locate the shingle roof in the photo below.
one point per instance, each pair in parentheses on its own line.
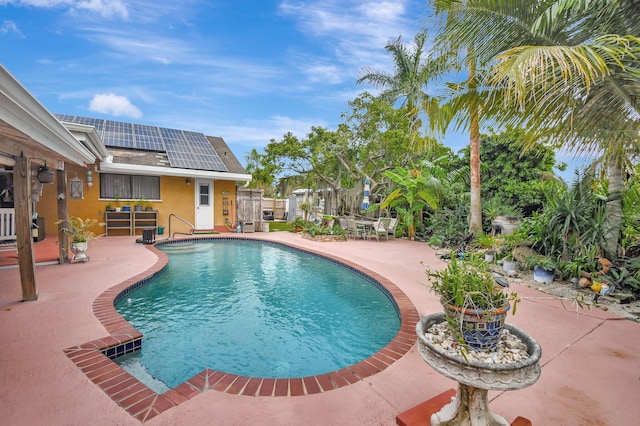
(226,155)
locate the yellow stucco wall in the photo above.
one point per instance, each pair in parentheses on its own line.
(176,197)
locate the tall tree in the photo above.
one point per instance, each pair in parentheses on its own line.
(407,83)
(566,70)
(466,102)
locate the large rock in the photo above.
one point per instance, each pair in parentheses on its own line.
(521,253)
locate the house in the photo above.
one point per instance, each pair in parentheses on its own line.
(52,166)
(177,173)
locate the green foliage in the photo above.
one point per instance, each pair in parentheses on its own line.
(487,242)
(516,180)
(585,261)
(298,224)
(544,262)
(79,229)
(280,226)
(468,284)
(624,275)
(631,217)
(414,193)
(448,225)
(574,218)
(314,229)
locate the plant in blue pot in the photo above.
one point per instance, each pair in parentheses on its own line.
(474,303)
(544,268)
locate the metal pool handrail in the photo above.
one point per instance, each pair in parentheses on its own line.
(183,220)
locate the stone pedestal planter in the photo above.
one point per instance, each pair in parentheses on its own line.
(470,406)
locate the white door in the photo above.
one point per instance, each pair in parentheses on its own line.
(204,204)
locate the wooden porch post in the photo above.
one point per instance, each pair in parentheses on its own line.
(22,202)
(63,240)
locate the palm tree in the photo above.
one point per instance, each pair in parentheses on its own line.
(565,70)
(408,82)
(466,104)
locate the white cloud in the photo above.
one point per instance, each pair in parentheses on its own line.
(162,60)
(37,3)
(258,133)
(357,32)
(10,27)
(323,72)
(106,8)
(110,103)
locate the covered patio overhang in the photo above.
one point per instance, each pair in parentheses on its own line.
(32,142)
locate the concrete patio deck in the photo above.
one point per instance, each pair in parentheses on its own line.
(590,359)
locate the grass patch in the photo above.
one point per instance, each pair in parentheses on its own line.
(280,226)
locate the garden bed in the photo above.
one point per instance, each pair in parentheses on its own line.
(324,238)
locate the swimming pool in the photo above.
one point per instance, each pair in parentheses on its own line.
(255,309)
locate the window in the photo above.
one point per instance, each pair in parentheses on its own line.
(128,187)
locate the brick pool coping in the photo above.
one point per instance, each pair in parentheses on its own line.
(93,358)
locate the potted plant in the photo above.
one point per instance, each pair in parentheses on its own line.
(148,206)
(80,232)
(109,207)
(488,244)
(116,202)
(544,268)
(474,304)
(140,204)
(509,263)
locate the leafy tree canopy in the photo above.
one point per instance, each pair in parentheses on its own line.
(517,179)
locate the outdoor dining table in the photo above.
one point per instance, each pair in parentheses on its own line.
(367,226)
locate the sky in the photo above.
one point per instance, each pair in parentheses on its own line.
(247,71)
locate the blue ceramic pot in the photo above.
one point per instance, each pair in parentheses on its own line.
(541,275)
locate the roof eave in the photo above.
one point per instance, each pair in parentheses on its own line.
(172,171)
(21,110)
(91,137)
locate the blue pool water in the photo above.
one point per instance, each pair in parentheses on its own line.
(254,309)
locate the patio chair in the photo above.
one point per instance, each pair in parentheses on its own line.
(353,228)
(381,228)
(391,229)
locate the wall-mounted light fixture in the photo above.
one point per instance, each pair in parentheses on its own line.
(45,174)
(188,181)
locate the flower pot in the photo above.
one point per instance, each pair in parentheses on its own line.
(118,209)
(509,265)
(542,275)
(489,257)
(79,250)
(126,208)
(480,329)
(138,208)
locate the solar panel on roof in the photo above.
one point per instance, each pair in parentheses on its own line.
(177,150)
(185,149)
(147,138)
(117,133)
(64,117)
(207,156)
(98,123)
